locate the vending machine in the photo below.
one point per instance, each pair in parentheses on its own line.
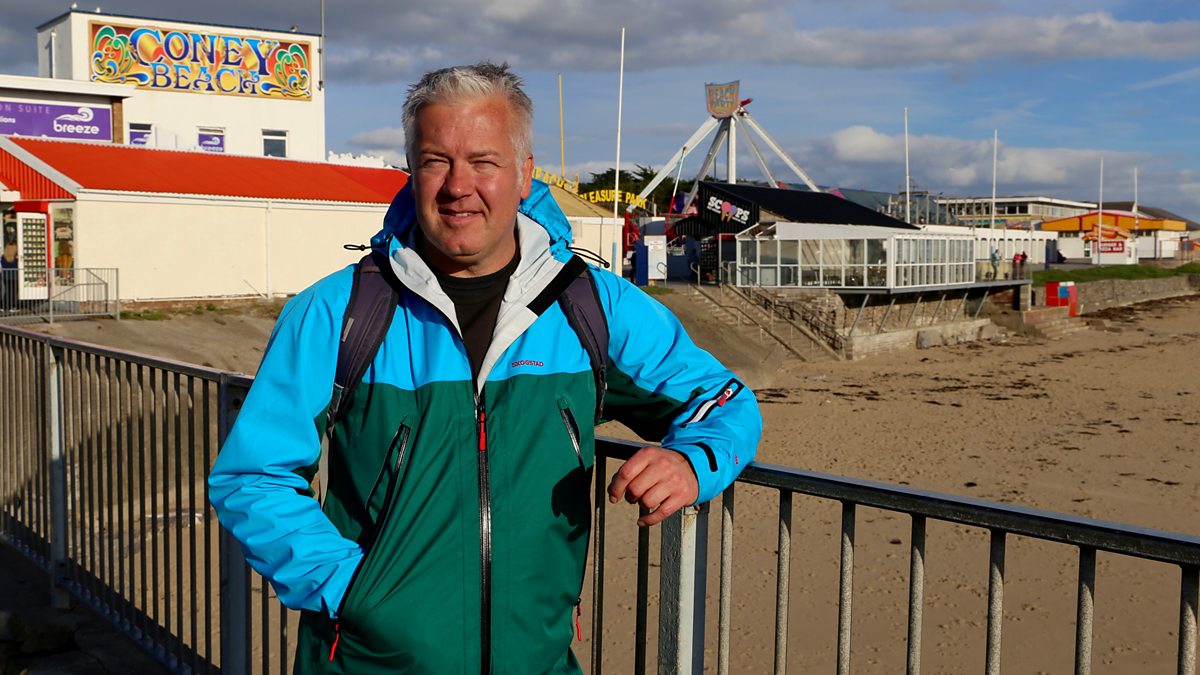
(33,247)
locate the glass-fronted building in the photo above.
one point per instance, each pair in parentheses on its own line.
(821,255)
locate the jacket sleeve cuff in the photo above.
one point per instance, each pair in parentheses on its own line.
(704,465)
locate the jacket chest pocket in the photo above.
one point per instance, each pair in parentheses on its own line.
(580,440)
(387,483)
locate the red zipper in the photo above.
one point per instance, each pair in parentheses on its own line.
(337,636)
(482,430)
(578,630)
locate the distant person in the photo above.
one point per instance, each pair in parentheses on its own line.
(1059,257)
(8,277)
(994,258)
(455,525)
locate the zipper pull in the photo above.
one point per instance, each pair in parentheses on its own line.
(578,630)
(482,430)
(337,636)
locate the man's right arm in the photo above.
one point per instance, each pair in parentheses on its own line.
(259,484)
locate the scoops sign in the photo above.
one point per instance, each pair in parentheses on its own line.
(92,123)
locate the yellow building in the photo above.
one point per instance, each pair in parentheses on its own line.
(1154,237)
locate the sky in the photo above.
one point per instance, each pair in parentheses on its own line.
(1063,83)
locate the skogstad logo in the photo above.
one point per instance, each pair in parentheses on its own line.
(77,123)
(527,362)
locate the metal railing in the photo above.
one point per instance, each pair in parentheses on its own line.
(1005,270)
(103,458)
(818,328)
(49,294)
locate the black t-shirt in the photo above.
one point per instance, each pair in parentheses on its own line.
(477,304)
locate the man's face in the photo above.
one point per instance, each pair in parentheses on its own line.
(468,183)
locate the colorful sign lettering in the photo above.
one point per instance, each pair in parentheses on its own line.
(200,62)
(728,210)
(1111,246)
(722,98)
(548,178)
(596,196)
(56,121)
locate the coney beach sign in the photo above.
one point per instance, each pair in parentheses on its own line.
(200,61)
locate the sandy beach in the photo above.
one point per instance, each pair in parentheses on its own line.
(1100,423)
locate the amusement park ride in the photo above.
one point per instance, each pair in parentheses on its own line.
(727,112)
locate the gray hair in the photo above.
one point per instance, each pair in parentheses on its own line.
(465,83)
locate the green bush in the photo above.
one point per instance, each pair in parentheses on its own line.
(1100,273)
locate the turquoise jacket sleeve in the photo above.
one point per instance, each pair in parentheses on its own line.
(259,484)
(668,390)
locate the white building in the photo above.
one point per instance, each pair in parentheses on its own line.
(853,257)
(183,224)
(978,211)
(244,91)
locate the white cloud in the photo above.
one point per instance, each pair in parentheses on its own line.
(382,137)
(863,144)
(862,157)
(1174,78)
(384,142)
(572,36)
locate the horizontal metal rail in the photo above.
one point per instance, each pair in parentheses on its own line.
(50,294)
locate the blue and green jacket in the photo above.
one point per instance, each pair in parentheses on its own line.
(455,528)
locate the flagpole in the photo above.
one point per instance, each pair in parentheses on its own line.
(992,234)
(620,97)
(1099,219)
(321,52)
(907,182)
(562,138)
(1137,223)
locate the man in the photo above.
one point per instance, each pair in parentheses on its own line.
(454,532)
(8,276)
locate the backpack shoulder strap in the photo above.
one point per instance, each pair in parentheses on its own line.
(373,298)
(580,302)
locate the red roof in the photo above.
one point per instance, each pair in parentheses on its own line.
(96,166)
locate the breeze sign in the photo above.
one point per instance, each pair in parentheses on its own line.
(81,122)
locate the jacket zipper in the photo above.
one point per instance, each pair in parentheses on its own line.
(400,442)
(572,431)
(337,637)
(485,541)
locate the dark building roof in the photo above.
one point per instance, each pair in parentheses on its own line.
(728,209)
(1152,212)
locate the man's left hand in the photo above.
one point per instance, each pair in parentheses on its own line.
(659,479)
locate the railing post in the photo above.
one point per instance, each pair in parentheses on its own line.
(681,587)
(117,292)
(58,476)
(234,582)
(50,293)
(1189,597)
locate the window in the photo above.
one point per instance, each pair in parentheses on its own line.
(141,133)
(211,139)
(274,143)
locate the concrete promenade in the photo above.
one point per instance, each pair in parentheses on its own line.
(37,639)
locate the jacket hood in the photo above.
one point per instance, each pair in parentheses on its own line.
(540,207)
